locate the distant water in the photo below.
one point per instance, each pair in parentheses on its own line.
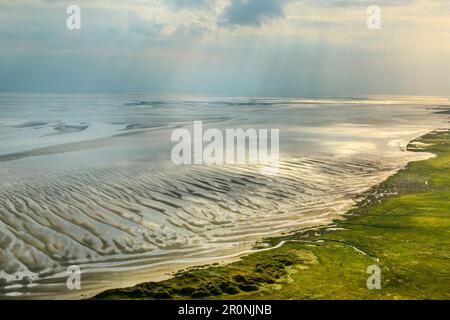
(87,179)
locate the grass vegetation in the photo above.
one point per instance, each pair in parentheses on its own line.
(401,225)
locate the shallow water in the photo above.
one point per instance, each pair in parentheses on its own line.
(87,180)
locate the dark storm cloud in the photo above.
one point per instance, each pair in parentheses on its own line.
(253,12)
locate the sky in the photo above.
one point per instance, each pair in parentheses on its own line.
(239,47)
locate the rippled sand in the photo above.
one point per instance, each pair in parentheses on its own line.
(133,211)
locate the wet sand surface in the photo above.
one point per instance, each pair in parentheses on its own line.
(88,181)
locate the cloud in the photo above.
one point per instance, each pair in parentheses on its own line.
(144,27)
(315,46)
(191,4)
(354,3)
(195,28)
(253,12)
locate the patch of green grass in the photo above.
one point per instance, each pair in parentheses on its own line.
(401,225)
(247,275)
